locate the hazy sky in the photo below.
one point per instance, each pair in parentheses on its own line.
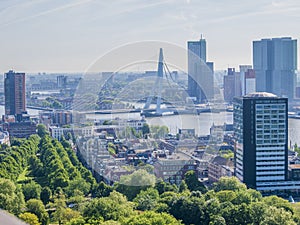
(69,35)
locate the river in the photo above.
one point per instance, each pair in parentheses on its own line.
(201,123)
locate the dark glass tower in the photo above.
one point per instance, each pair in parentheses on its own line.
(14,91)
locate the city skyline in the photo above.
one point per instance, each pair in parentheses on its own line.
(51,36)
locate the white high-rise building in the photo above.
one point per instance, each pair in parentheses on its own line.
(261,134)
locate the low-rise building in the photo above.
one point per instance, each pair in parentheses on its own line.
(21,129)
(294,172)
(59,132)
(220,167)
(173,168)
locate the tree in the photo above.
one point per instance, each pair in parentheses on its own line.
(76,221)
(60,214)
(183,186)
(237,214)
(163,186)
(7,193)
(147,200)
(77,199)
(152,218)
(42,130)
(31,190)
(167,199)
(258,211)
(159,131)
(217,220)
(278,216)
(11,199)
(213,207)
(113,207)
(226,196)
(111,148)
(278,202)
(78,184)
(101,190)
(29,218)
(149,168)
(131,185)
(69,136)
(145,129)
(191,179)
(110,222)
(296,148)
(229,183)
(19,202)
(46,195)
(65,215)
(197,213)
(36,207)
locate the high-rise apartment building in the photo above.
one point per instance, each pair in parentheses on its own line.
(14,91)
(275,63)
(200,72)
(261,134)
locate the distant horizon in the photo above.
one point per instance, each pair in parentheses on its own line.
(123,72)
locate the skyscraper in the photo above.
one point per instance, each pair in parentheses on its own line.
(249,82)
(14,91)
(275,63)
(232,85)
(198,48)
(261,133)
(243,70)
(200,72)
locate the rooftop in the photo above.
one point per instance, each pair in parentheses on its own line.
(294,166)
(176,157)
(260,95)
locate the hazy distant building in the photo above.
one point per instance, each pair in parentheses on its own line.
(249,82)
(14,91)
(232,85)
(62,117)
(243,70)
(275,63)
(297,92)
(261,135)
(61,81)
(58,118)
(200,72)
